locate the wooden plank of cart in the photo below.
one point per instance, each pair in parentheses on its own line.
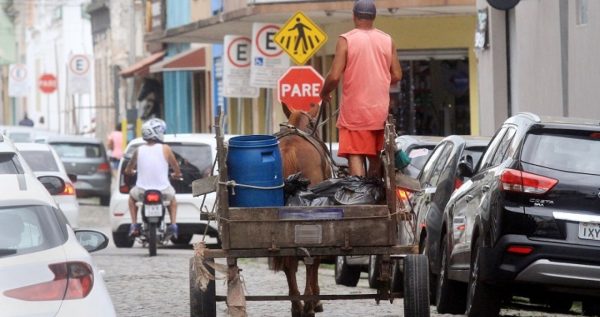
(363,230)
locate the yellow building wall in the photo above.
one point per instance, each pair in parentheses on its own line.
(435,32)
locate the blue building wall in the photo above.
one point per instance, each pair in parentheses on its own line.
(178,85)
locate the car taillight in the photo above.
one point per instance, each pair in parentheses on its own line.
(103,167)
(457,183)
(72,280)
(153,198)
(69,189)
(403,196)
(523,182)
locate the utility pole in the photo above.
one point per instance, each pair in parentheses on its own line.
(132,42)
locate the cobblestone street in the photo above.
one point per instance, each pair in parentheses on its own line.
(158,286)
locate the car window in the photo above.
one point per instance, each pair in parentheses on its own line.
(77,150)
(576,152)
(500,154)
(428,169)
(9,164)
(27,229)
(486,160)
(441,164)
(40,161)
(474,152)
(419,155)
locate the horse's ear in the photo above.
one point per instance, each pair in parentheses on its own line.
(314,110)
(286,110)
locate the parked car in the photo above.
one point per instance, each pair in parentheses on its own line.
(45,267)
(86,158)
(526,223)
(448,167)
(25,134)
(348,268)
(195,154)
(44,161)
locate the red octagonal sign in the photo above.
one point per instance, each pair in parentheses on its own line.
(299,87)
(47,83)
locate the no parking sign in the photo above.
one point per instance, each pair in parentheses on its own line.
(268,59)
(79,74)
(17,80)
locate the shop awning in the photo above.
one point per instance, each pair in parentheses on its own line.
(193,59)
(142,67)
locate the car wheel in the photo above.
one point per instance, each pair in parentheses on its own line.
(105,200)
(182,239)
(482,299)
(345,274)
(560,305)
(122,240)
(432,277)
(374,271)
(450,295)
(591,308)
(416,286)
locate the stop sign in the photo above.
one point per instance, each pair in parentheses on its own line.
(299,87)
(47,83)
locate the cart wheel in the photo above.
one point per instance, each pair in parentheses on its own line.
(345,274)
(416,286)
(374,271)
(202,304)
(397,281)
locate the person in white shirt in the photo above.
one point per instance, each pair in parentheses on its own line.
(152,161)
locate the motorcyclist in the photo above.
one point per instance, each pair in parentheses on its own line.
(152,161)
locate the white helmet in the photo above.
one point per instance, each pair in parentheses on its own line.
(154,130)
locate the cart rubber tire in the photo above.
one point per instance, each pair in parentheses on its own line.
(482,299)
(416,286)
(345,274)
(202,304)
(374,271)
(122,239)
(451,296)
(182,239)
(152,238)
(397,280)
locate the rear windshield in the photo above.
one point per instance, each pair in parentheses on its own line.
(77,150)
(419,155)
(28,229)
(40,161)
(576,152)
(19,136)
(9,164)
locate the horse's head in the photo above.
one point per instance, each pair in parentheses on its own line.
(302,120)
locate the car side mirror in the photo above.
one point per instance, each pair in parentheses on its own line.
(91,240)
(54,184)
(465,169)
(72,177)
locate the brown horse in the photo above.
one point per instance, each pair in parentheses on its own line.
(299,154)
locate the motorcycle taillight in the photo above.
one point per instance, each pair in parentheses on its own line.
(153,198)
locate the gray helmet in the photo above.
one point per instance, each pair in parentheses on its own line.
(154,130)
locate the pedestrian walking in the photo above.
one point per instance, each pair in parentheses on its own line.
(115,145)
(367,59)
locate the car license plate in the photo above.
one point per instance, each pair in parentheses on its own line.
(589,231)
(153,210)
(308,234)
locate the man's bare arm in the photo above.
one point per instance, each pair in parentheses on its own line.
(395,69)
(172,160)
(132,164)
(337,69)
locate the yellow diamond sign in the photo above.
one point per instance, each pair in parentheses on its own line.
(300,37)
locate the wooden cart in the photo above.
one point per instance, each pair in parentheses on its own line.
(363,230)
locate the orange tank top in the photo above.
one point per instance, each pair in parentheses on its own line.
(366,81)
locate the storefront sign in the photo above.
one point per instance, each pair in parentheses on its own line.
(17,80)
(236,68)
(299,87)
(301,38)
(268,60)
(79,74)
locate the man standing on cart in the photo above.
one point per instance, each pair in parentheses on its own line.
(367,59)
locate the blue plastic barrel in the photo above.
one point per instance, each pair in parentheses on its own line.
(255,160)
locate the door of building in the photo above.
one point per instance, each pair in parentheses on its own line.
(433,96)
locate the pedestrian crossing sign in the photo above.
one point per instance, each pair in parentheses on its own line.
(300,38)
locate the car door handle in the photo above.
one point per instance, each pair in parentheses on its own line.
(485,188)
(468,198)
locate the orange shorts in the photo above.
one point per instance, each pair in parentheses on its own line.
(361,142)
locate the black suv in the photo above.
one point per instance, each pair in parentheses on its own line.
(528,221)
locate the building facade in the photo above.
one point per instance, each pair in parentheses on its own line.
(7,57)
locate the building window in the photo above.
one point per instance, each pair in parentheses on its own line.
(582,12)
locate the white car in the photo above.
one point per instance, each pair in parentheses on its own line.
(195,154)
(44,268)
(44,161)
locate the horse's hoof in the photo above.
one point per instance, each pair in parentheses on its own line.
(297,314)
(319,307)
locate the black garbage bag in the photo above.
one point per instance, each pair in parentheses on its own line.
(351,190)
(295,183)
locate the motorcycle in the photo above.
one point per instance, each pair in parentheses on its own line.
(154,228)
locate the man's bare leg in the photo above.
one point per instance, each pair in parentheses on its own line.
(356,165)
(132,210)
(375,166)
(173,210)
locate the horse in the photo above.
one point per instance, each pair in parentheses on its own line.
(302,152)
